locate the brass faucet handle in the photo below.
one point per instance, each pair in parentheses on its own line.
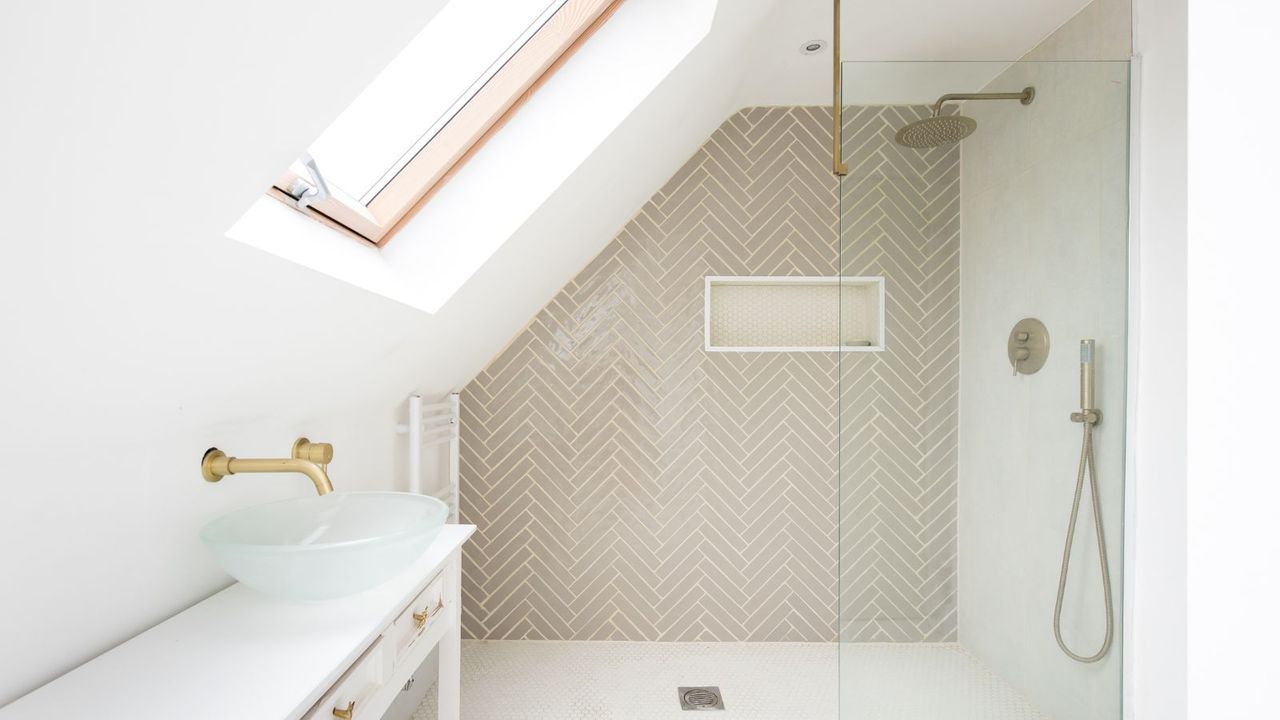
(318,453)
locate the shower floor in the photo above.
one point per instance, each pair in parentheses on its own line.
(544,680)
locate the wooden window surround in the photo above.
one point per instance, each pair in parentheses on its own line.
(464,134)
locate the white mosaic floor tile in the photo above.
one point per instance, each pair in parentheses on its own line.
(533,680)
(904,681)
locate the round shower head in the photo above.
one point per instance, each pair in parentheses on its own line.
(938,130)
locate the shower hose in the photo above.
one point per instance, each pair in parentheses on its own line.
(1086,465)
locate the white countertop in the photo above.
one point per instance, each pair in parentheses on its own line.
(239,654)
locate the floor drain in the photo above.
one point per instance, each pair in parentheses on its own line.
(700,698)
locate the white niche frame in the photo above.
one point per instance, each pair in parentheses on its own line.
(874,284)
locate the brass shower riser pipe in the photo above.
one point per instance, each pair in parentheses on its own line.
(837,103)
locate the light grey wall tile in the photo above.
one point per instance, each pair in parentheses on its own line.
(899,407)
(1102,30)
(629,485)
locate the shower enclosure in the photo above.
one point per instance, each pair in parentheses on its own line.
(962,443)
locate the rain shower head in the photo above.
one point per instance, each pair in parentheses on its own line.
(939,129)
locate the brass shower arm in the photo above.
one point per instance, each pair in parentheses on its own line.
(1026,96)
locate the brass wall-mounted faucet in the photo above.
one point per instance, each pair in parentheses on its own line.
(310,459)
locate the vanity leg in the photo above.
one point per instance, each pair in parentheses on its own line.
(450,649)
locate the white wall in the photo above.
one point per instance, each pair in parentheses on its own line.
(1156,656)
(1044,196)
(135,334)
(1233,483)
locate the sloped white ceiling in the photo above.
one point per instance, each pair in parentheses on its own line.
(176,116)
(882,30)
(750,56)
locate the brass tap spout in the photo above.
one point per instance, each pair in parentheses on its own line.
(310,459)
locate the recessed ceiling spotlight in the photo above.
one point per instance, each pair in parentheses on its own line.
(813,47)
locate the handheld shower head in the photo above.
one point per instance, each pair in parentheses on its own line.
(1086,374)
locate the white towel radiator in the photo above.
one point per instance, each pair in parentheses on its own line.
(433,424)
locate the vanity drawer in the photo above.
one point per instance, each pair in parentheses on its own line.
(419,617)
(349,697)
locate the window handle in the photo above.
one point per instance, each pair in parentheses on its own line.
(305,194)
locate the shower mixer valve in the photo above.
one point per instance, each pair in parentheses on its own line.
(1028,346)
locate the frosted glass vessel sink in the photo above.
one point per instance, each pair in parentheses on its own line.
(317,548)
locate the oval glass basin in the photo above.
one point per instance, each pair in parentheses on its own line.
(328,546)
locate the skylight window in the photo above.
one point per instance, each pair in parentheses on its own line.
(431,107)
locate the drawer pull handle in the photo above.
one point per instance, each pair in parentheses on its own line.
(420,618)
(347,713)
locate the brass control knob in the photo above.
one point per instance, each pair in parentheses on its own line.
(318,453)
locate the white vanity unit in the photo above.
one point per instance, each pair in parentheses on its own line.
(241,654)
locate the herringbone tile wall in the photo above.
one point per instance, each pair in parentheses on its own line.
(900,212)
(629,485)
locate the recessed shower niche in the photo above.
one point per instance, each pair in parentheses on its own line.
(794,314)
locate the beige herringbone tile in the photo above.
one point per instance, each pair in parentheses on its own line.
(900,210)
(629,486)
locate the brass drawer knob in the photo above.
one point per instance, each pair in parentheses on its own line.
(347,713)
(420,618)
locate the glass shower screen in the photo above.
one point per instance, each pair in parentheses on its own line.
(958,450)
